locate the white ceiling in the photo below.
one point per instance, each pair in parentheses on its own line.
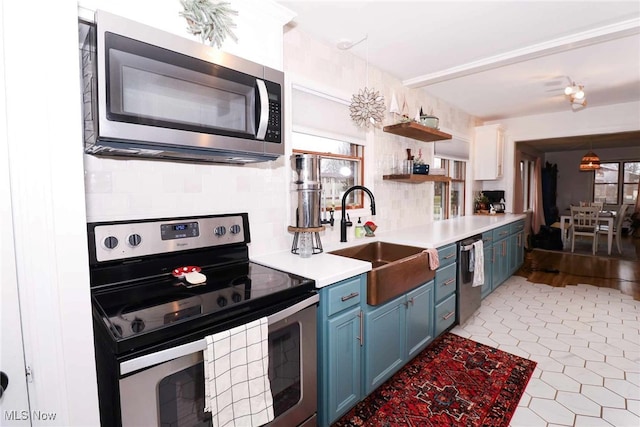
(492,59)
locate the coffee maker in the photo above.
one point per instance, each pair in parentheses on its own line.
(496,200)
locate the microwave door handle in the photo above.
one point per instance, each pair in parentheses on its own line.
(264,109)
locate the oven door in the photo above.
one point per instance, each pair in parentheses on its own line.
(167,387)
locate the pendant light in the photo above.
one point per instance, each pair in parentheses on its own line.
(590,161)
(367,106)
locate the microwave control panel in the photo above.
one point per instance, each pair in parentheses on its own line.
(274,125)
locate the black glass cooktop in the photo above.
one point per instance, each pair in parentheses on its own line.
(142,308)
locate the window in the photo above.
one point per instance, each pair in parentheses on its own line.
(630,178)
(616,182)
(340,168)
(322,126)
(449,196)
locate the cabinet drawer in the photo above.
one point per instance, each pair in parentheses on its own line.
(445,281)
(445,314)
(516,226)
(487,238)
(343,295)
(501,232)
(447,254)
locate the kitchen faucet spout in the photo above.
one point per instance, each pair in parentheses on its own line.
(343,220)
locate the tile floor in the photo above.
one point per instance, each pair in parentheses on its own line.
(586,341)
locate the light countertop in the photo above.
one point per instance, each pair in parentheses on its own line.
(326,269)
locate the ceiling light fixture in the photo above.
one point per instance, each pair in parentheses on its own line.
(576,95)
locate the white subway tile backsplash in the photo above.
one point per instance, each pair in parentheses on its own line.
(98,182)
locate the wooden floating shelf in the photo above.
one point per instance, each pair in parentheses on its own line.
(417,131)
(416,179)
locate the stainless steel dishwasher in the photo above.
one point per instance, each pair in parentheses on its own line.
(468,296)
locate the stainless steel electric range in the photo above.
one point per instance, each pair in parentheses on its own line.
(160,286)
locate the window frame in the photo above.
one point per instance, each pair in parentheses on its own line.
(358,196)
(620,182)
(447,164)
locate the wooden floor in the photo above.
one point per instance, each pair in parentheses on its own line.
(561,269)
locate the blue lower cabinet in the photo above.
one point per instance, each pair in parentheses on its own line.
(419,319)
(340,348)
(384,341)
(360,346)
(395,332)
(516,251)
(344,362)
(445,314)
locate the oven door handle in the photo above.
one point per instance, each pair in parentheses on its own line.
(161,356)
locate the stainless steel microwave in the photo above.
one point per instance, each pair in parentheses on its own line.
(148,93)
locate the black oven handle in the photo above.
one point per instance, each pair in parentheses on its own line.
(161,356)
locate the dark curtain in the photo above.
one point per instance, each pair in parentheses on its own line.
(549,192)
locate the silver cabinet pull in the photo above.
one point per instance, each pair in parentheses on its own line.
(450,281)
(351,295)
(450,256)
(446,317)
(361,337)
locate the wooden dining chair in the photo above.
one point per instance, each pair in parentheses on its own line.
(584,222)
(617,225)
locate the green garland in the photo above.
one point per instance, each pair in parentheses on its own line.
(212,21)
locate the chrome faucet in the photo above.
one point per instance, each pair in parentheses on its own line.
(343,221)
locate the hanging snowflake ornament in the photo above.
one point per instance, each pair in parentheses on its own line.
(367,107)
(211,21)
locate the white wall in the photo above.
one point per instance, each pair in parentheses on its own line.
(341,74)
(591,120)
(47,197)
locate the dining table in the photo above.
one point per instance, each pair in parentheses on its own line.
(604,217)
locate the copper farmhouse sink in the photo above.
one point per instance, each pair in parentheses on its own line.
(396,268)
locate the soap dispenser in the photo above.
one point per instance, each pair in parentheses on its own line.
(359,230)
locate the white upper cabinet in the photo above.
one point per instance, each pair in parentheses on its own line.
(488,152)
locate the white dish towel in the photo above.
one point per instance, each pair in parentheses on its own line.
(478,264)
(236,366)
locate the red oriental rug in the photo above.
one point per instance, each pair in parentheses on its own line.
(453,382)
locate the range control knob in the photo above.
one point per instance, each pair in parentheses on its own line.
(220,231)
(137,325)
(235,229)
(236,297)
(134,240)
(110,242)
(222,301)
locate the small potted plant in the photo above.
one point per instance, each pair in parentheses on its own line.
(482,202)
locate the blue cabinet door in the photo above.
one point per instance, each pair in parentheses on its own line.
(419,319)
(501,262)
(384,341)
(343,362)
(488,270)
(519,250)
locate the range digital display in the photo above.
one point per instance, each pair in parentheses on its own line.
(179,231)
